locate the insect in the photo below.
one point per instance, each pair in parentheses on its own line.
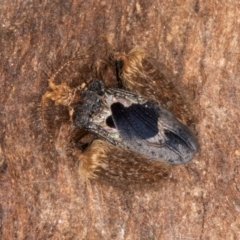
(128,120)
(138,139)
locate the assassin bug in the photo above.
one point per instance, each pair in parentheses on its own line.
(128,120)
(138,139)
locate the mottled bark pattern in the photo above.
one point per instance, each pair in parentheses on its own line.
(42,195)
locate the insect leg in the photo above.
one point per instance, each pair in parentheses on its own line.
(119,65)
(106,161)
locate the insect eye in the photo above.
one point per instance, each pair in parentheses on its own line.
(79,118)
(110,122)
(96,86)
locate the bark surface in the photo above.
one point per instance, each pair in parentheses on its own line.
(42,195)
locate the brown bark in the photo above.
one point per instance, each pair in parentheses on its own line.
(42,195)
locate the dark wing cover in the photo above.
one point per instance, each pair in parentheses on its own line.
(154,132)
(135,122)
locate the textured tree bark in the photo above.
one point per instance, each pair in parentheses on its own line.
(42,195)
